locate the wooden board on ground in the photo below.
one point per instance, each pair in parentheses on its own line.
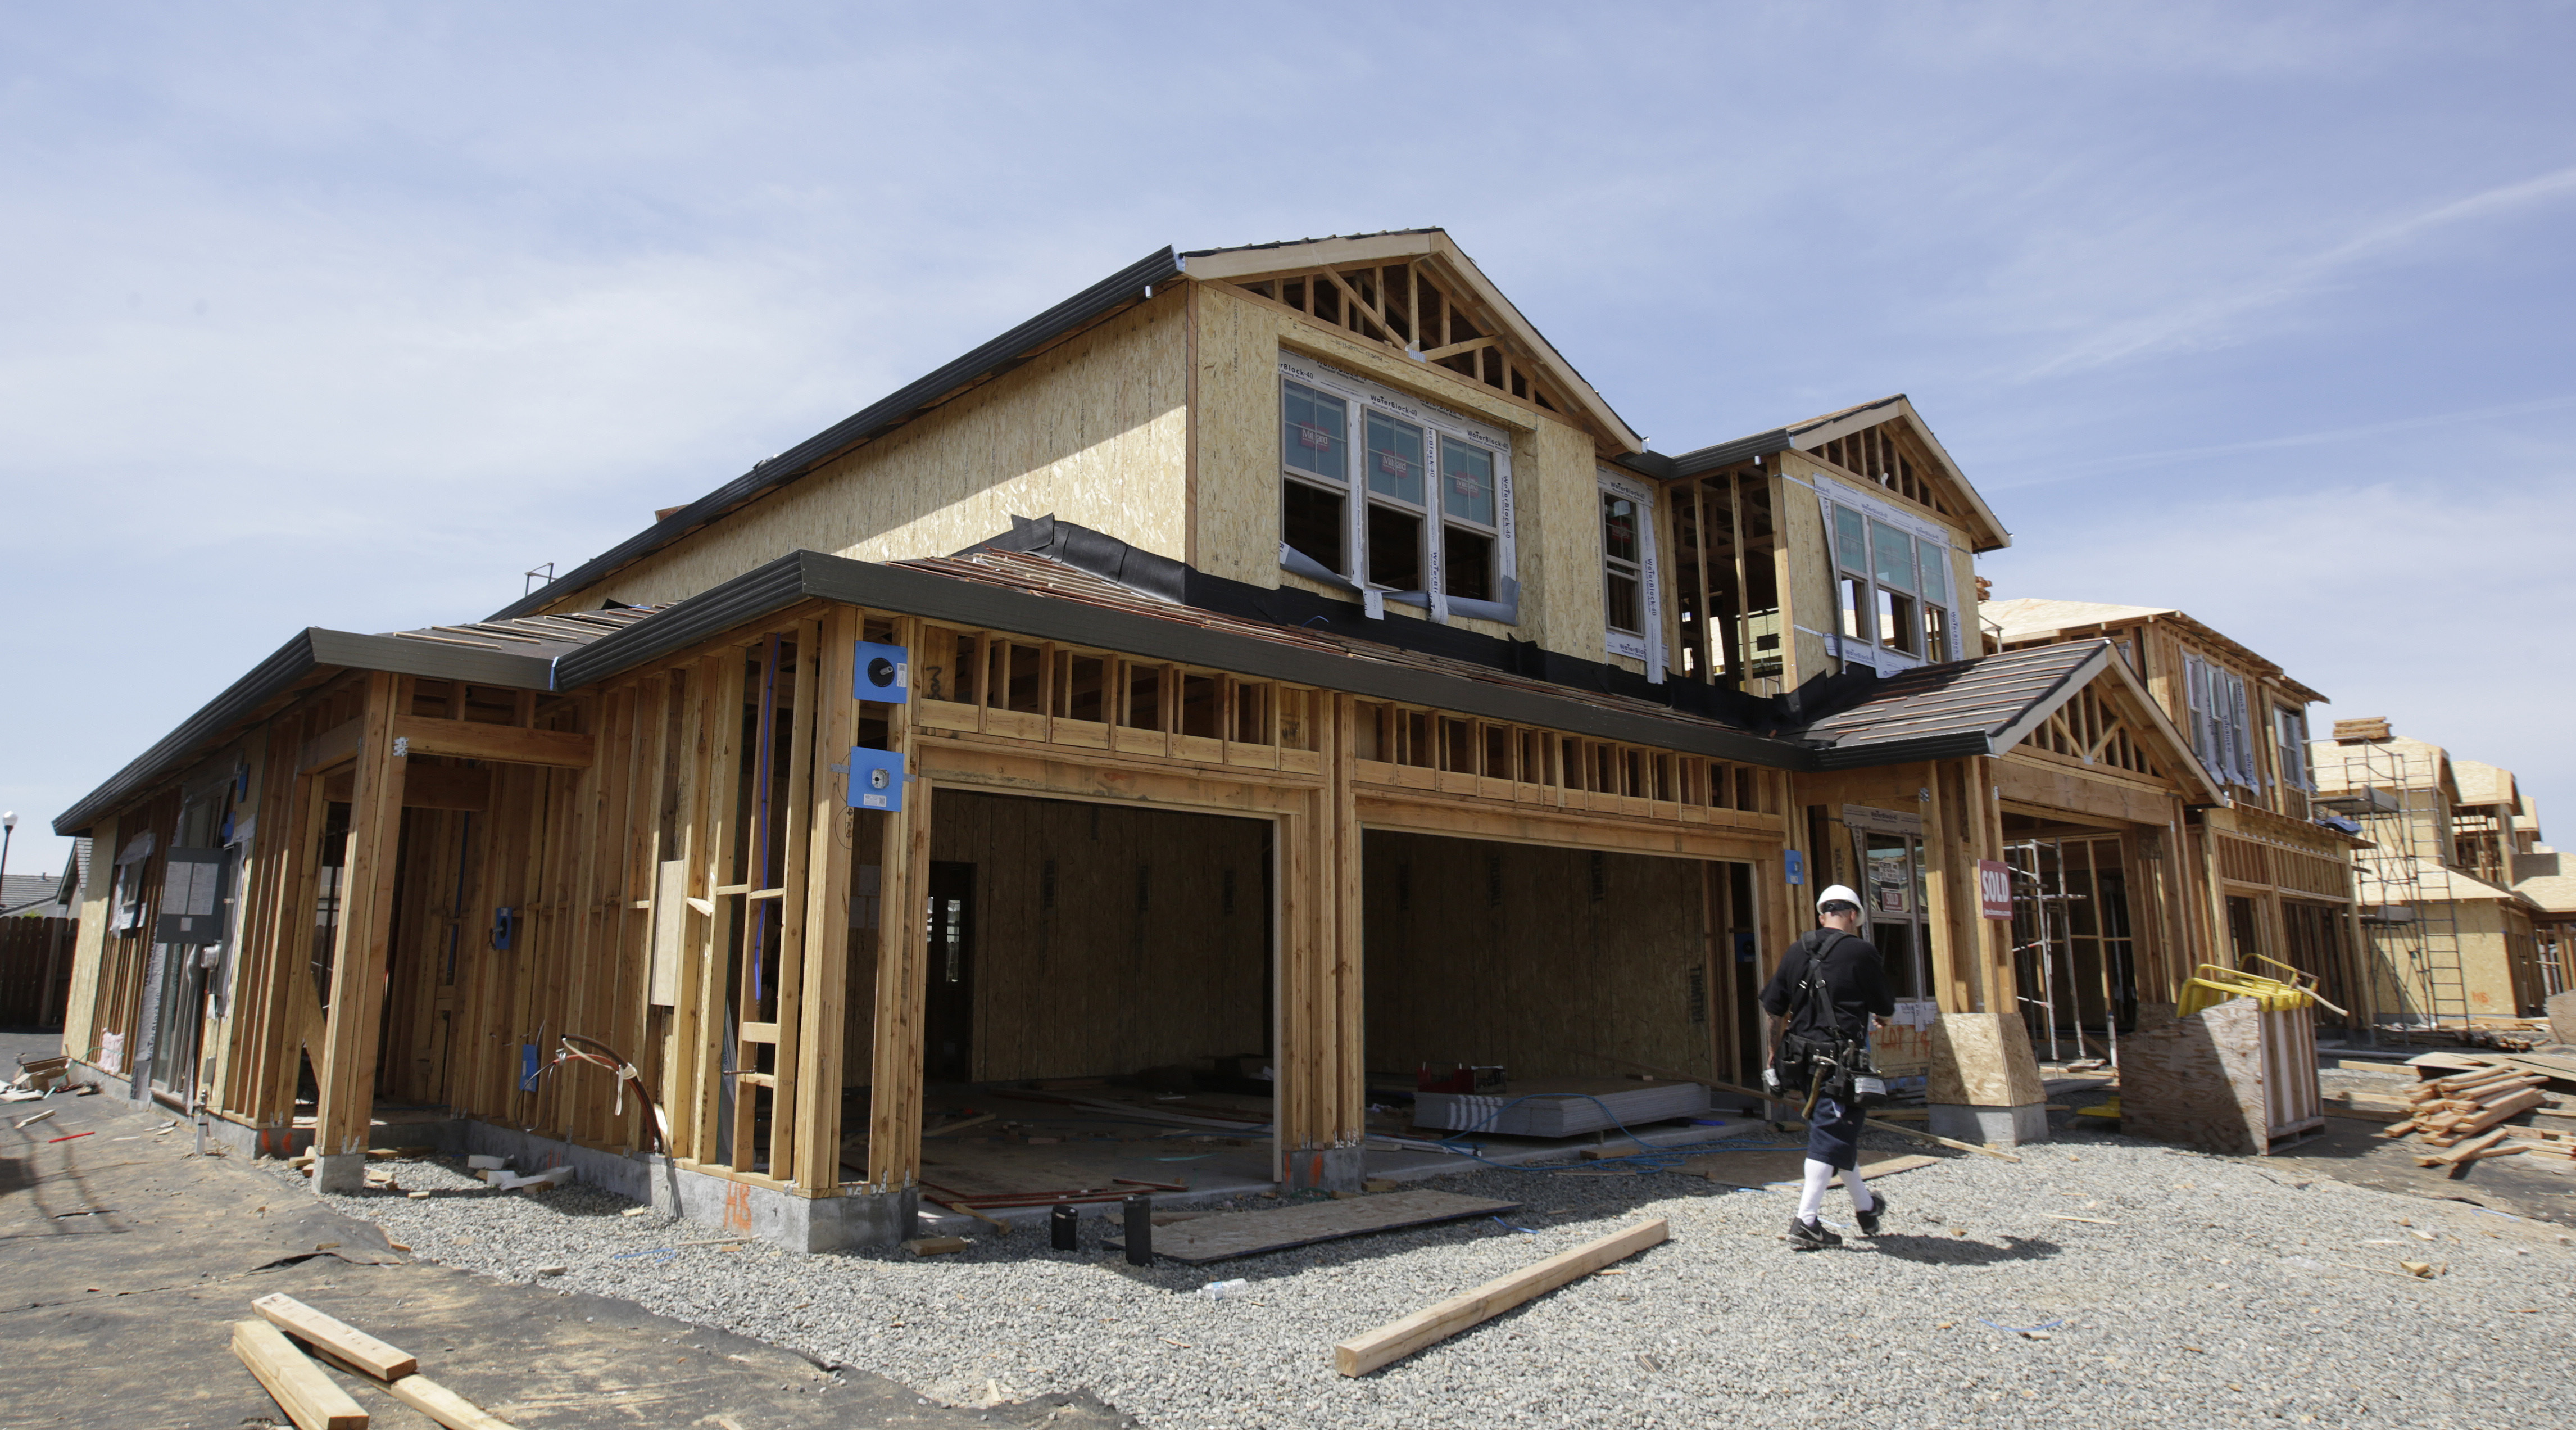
(312,1400)
(444,1405)
(1397,1339)
(347,1342)
(1231,1234)
(1789,1164)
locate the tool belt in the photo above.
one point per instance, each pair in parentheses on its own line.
(1838,1068)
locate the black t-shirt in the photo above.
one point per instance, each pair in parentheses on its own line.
(1853,975)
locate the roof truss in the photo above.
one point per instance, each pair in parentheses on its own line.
(1888,445)
(1417,294)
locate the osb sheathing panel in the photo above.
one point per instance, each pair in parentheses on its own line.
(2486,955)
(1489,953)
(1093,431)
(89,943)
(1146,946)
(1808,602)
(1559,544)
(2198,1081)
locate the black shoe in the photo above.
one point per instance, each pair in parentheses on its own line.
(1811,1236)
(1877,1209)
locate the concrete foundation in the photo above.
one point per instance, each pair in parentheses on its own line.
(1328,1169)
(2002,1126)
(340,1173)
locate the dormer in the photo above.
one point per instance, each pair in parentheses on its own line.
(1842,542)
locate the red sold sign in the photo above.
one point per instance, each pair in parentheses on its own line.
(1994,888)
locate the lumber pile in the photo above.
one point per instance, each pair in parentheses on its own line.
(273,1350)
(2501,1107)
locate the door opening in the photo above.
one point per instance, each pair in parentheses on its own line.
(948,1005)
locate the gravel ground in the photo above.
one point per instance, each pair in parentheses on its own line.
(2216,1294)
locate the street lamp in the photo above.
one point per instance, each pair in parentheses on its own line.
(8,832)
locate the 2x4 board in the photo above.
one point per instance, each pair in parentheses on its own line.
(1232,1234)
(1560,1107)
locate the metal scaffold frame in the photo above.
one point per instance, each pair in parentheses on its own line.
(2413,929)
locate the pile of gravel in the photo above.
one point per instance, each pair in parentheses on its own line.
(2102,1277)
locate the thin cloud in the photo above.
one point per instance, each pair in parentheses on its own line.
(2071,471)
(2210,320)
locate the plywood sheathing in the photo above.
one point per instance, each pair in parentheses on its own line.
(1240,339)
(2198,1081)
(1531,958)
(1093,430)
(1109,938)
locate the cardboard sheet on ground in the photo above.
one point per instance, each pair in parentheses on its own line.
(1231,1234)
(1789,1165)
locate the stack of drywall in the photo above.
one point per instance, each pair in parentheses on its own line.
(1560,1107)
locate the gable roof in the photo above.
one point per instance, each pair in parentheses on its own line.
(1987,706)
(2482,783)
(1255,261)
(1806,436)
(2027,618)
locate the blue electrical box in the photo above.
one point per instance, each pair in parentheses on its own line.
(1795,864)
(884,673)
(876,780)
(505,924)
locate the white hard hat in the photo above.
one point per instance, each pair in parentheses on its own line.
(1836,894)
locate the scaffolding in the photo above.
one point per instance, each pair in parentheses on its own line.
(2408,917)
(2044,935)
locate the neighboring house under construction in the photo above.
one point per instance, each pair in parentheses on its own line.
(2451,937)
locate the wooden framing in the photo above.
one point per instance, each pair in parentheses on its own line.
(345,1111)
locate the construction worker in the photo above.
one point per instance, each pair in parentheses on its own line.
(1827,994)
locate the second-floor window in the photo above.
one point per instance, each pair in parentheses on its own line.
(1894,586)
(2290,746)
(1380,492)
(1623,563)
(2219,733)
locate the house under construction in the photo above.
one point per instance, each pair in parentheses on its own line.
(1273,670)
(2451,934)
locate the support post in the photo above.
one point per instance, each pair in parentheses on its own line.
(818,892)
(346,1109)
(1320,1079)
(903,952)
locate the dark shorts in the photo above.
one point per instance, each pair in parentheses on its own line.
(1833,1136)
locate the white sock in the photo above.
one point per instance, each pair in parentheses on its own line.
(1811,1199)
(1862,1198)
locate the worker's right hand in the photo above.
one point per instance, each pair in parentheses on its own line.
(1771,1081)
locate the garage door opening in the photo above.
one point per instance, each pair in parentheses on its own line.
(1508,970)
(1096,1008)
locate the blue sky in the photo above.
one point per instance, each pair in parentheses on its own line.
(347,315)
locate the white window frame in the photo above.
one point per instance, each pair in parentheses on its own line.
(1929,537)
(1647,645)
(2290,744)
(1439,425)
(2217,699)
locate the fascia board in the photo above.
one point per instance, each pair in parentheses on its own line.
(434,659)
(1229,264)
(1955,746)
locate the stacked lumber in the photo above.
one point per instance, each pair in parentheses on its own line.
(2488,1109)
